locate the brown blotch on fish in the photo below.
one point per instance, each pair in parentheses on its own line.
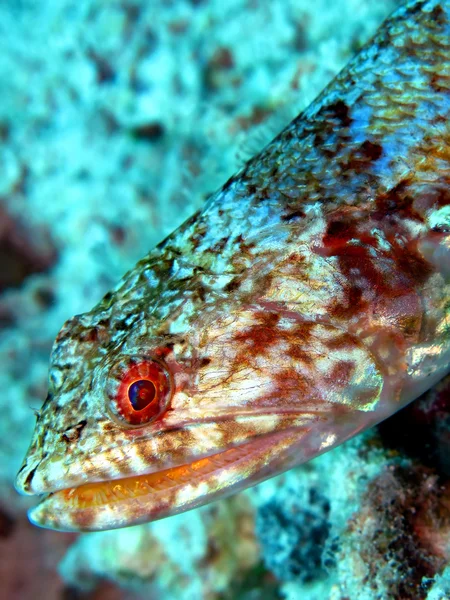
(438,195)
(340,110)
(220,245)
(399,199)
(201,291)
(97,334)
(440,83)
(438,16)
(342,373)
(233,285)
(341,342)
(300,355)
(360,158)
(257,338)
(412,264)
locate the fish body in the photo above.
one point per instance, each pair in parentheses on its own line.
(308,300)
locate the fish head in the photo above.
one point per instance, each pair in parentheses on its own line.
(145,418)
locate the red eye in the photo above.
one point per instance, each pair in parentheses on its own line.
(139,390)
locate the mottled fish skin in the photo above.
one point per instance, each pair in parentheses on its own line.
(308,300)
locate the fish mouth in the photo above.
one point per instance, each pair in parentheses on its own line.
(116,503)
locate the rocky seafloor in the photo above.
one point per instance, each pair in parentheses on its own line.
(117,119)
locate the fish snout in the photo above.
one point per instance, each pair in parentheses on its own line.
(24,478)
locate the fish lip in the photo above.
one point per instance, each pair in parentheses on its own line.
(50,491)
(39,485)
(55,511)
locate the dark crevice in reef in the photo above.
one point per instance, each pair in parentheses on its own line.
(150,132)
(24,251)
(104,590)
(293,535)
(421,430)
(255,584)
(410,499)
(7,524)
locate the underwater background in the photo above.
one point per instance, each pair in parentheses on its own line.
(117,120)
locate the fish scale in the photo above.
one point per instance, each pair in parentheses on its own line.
(308,300)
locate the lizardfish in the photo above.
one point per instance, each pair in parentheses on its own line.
(308,300)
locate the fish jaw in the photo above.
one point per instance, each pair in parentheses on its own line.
(134,500)
(106,503)
(116,503)
(173,443)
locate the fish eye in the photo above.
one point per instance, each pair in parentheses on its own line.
(141,393)
(138,390)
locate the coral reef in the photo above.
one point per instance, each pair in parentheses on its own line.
(116,120)
(28,559)
(441,587)
(293,530)
(401,534)
(209,554)
(427,419)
